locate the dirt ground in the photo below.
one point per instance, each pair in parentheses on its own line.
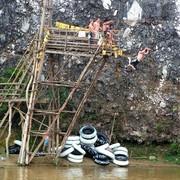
(48,160)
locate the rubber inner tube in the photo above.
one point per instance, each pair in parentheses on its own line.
(76,152)
(103,137)
(100,157)
(90,152)
(87,132)
(106,162)
(99,142)
(121,158)
(88,141)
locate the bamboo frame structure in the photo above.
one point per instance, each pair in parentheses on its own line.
(42,97)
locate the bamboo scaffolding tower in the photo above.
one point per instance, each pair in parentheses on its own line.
(38,88)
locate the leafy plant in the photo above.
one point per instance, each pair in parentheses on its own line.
(173,153)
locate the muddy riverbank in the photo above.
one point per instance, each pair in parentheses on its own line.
(48,160)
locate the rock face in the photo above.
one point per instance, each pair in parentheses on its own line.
(145,104)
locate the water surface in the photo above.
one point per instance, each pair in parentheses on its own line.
(88,173)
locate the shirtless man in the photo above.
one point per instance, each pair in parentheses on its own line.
(141,54)
(91,27)
(97,28)
(105,26)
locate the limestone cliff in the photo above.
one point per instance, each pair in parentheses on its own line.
(146,103)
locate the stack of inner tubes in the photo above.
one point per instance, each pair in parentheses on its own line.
(88,135)
(91,139)
(95,145)
(73,150)
(121,154)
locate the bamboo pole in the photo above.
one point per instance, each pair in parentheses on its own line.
(112,129)
(42,24)
(4,118)
(59,105)
(50,12)
(9,132)
(23,151)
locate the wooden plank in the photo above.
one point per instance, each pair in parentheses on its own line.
(55,29)
(12,100)
(75,44)
(11,83)
(51,112)
(79,48)
(42,153)
(53,37)
(70,53)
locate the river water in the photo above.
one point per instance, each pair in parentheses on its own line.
(88,173)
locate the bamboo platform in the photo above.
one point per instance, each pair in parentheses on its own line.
(39,102)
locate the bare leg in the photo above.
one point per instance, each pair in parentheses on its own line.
(130,65)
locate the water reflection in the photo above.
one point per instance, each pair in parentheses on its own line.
(112,173)
(88,173)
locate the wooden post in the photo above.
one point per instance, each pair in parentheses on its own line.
(50,12)
(9,133)
(112,129)
(23,156)
(42,24)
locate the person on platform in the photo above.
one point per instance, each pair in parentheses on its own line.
(91,28)
(97,28)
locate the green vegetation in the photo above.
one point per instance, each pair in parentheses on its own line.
(169,153)
(173,154)
(140,151)
(3,109)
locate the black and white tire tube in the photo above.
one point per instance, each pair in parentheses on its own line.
(101,157)
(66,151)
(90,151)
(78,148)
(121,158)
(103,137)
(116,145)
(78,157)
(104,162)
(17,142)
(76,152)
(73,138)
(68,145)
(70,142)
(88,132)
(120,163)
(104,146)
(120,149)
(121,153)
(88,141)
(75,160)
(106,152)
